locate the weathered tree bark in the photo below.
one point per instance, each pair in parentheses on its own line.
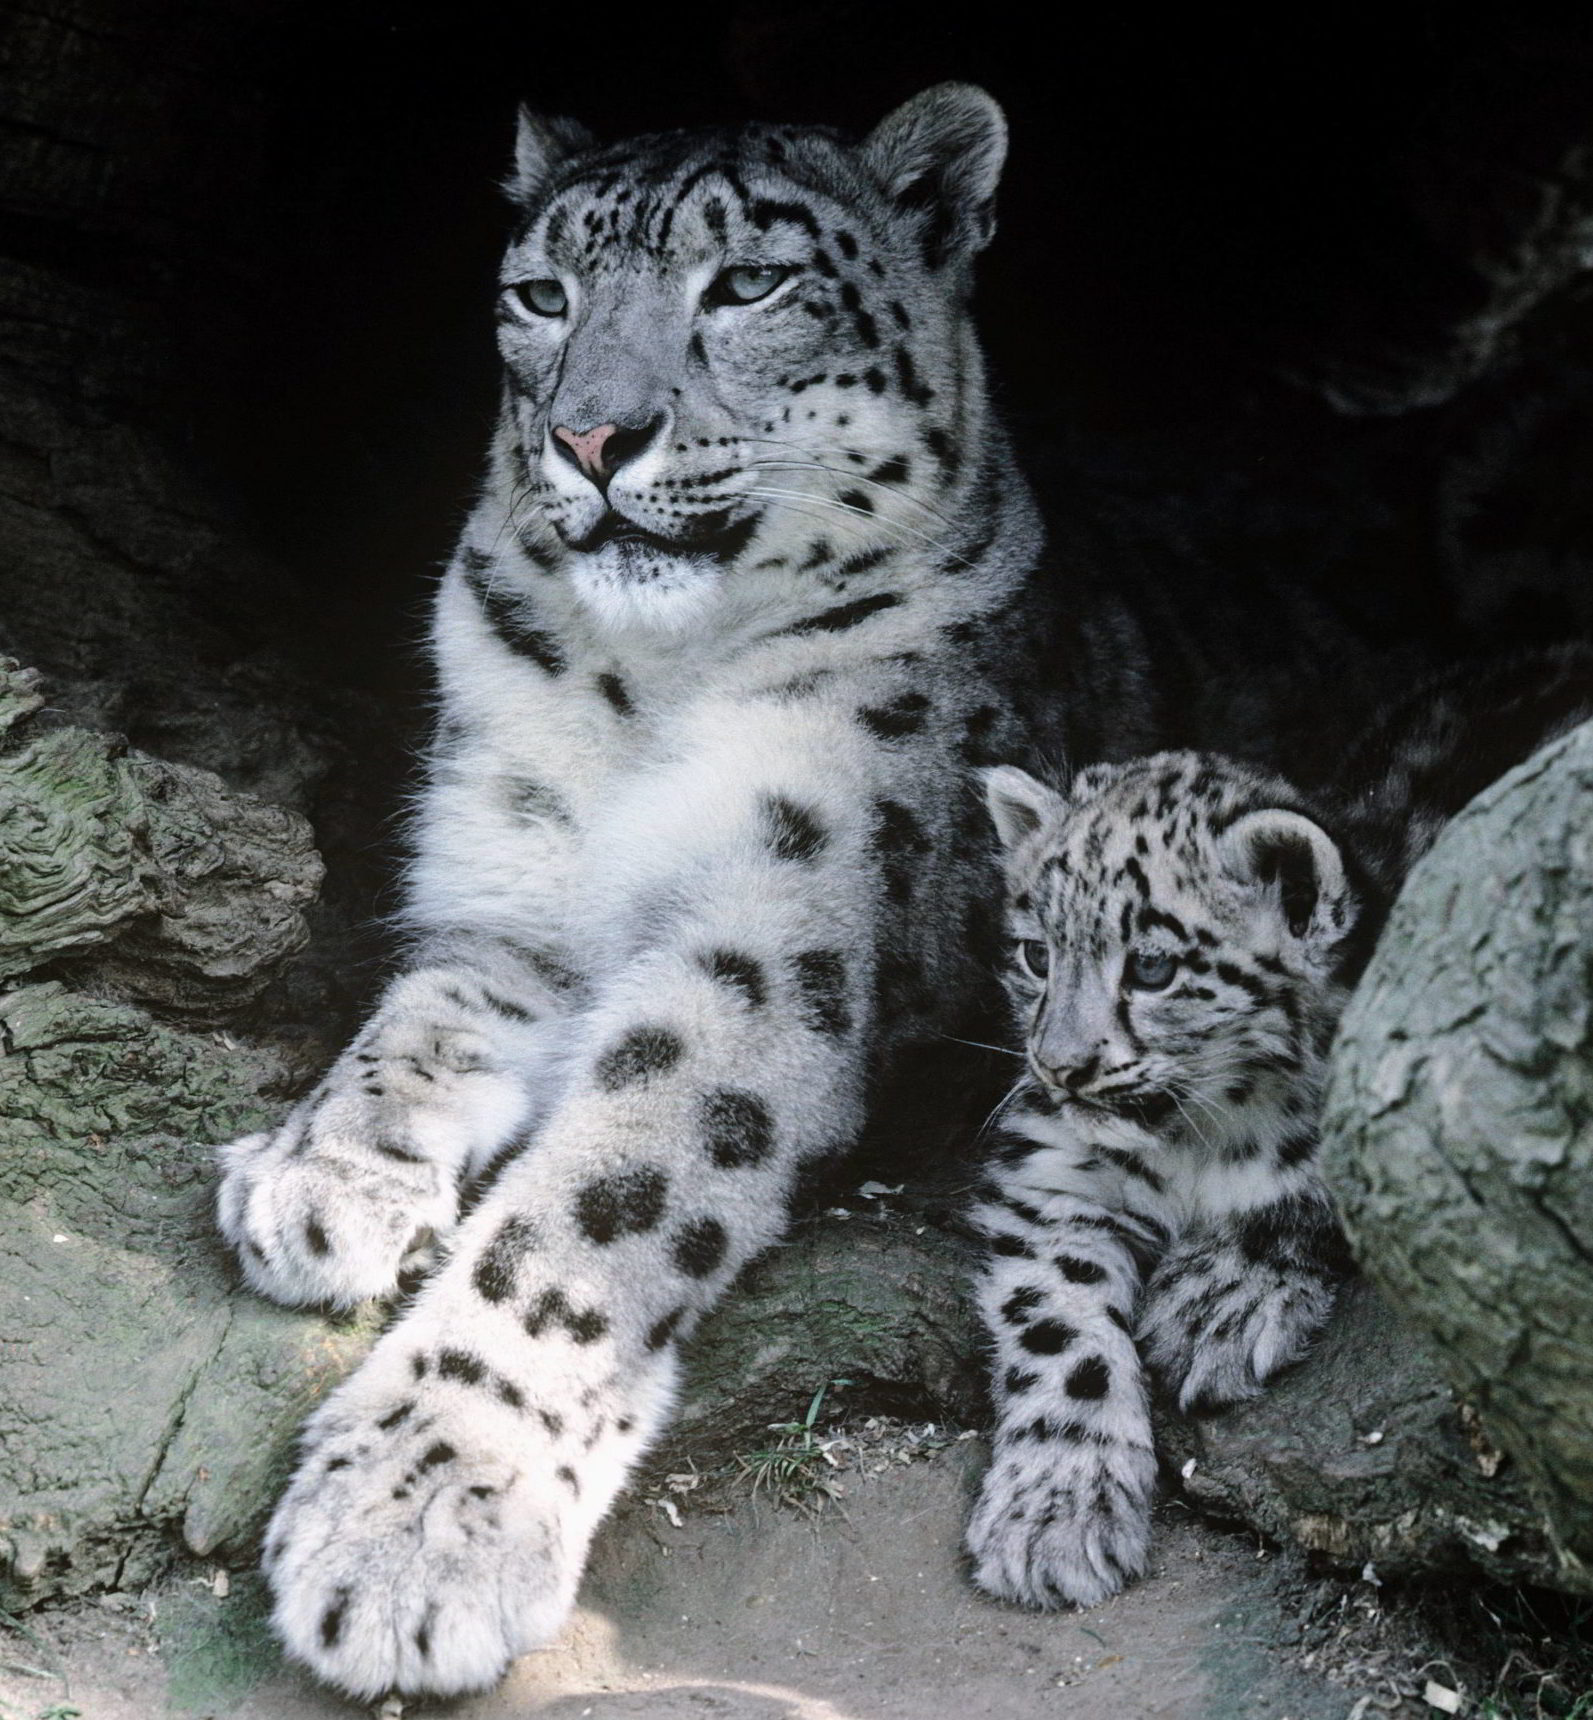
(1460,1122)
(142,879)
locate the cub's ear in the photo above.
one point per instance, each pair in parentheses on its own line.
(941,153)
(1018,803)
(1299,866)
(541,142)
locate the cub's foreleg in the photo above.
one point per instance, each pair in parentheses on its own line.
(1241,1294)
(1064,1509)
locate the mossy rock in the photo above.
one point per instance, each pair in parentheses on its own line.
(140,1393)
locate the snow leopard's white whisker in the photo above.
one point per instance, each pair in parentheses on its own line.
(1014,1092)
(850,478)
(860,456)
(900,527)
(835,506)
(812,513)
(522,497)
(1207,1105)
(979,1045)
(1194,1127)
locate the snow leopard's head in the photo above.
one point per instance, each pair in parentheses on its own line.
(741,348)
(1178,925)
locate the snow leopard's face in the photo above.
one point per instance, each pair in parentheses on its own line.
(1176,925)
(741,349)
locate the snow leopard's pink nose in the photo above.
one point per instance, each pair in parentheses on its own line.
(602,451)
(587,447)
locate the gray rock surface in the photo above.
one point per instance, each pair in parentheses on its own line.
(152,881)
(147,1401)
(139,1392)
(1365,1456)
(1460,1122)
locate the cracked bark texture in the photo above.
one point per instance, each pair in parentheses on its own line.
(1364,1455)
(1459,1123)
(141,879)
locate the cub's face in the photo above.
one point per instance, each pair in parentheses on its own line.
(727,349)
(1175,931)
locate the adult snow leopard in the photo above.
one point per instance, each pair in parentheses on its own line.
(1184,931)
(744,592)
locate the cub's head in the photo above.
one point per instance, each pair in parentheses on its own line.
(740,348)
(1179,928)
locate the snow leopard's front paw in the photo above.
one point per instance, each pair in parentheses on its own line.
(1061,1523)
(420,1549)
(330,1210)
(1217,1340)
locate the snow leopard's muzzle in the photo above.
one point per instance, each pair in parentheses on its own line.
(625,484)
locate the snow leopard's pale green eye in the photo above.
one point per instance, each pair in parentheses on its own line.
(744,285)
(542,298)
(1035,956)
(1147,970)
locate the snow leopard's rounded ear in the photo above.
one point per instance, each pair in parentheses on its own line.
(1298,866)
(541,142)
(1018,803)
(941,153)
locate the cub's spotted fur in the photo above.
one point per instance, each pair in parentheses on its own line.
(1180,930)
(1185,931)
(747,590)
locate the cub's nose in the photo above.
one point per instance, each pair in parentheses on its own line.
(1064,1077)
(600,452)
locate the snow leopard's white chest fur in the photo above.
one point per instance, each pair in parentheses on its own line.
(747,589)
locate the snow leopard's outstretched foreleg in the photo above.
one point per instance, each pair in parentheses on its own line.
(447,1492)
(363,1177)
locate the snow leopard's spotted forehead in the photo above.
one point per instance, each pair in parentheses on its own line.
(1133,848)
(655,199)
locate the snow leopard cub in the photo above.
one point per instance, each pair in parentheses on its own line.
(1181,931)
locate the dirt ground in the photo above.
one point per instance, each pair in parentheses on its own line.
(758,1612)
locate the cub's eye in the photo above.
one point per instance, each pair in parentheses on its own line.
(743,285)
(1145,971)
(541,298)
(1035,956)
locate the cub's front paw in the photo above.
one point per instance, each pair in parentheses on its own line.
(328,1211)
(421,1550)
(1062,1524)
(1218,1342)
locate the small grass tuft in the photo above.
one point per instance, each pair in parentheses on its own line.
(795,1471)
(216,1650)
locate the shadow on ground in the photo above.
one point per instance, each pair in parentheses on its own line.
(758,1613)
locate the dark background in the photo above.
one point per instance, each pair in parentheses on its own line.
(1196,212)
(1287,310)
